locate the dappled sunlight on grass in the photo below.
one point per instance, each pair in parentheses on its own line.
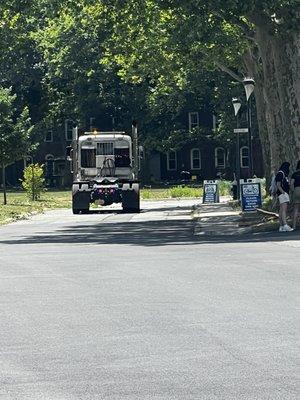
(19,206)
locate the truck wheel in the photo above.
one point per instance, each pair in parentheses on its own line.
(131,198)
(79,210)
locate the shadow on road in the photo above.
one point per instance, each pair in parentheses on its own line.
(149,233)
(146,210)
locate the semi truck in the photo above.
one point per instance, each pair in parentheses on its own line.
(105,168)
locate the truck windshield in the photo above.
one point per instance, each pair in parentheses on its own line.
(88,158)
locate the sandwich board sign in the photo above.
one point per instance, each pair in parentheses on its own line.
(211,191)
(251,195)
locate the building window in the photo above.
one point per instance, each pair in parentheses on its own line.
(193,120)
(195,159)
(219,157)
(49,136)
(244,157)
(69,129)
(59,167)
(172,160)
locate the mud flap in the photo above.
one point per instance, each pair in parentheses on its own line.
(131,197)
(81,198)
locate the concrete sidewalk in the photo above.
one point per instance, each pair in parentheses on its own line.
(218,219)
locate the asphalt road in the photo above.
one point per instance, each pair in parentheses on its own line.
(135,306)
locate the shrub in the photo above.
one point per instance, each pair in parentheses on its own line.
(146,194)
(264,191)
(225,188)
(270,204)
(185,191)
(33,181)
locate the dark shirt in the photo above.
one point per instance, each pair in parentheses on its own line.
(296,176)
(280,177)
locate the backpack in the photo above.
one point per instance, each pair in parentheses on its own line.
(273,187)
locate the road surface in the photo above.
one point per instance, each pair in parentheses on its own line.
(135,306)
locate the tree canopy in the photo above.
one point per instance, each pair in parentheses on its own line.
(152,59)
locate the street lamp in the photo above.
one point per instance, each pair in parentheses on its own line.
(249,86)
(236,102)
(249,89)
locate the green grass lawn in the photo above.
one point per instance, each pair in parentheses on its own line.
(169,193)
(19,206)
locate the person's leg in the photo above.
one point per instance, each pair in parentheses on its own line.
(280,216)
(283,207)
(283,212)
(295,215)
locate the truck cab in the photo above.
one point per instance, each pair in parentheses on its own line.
(105,155)
(103,170)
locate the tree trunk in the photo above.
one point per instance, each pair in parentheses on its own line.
(287,66)
(273,114)
(4,185)
(281,79)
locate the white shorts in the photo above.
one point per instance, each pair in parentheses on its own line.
(283,198)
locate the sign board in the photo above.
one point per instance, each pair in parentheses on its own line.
(240,130)
(211,191)
(251,196)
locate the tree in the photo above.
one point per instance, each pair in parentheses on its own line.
(256,38)
(15,133)
(266,47)
(20,65)
(147,59)
(33,181)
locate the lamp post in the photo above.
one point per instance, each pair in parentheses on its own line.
(236,102)
(249,88)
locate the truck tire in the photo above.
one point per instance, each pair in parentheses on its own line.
(131,198)
(80,199)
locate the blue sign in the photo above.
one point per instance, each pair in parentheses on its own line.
(251,196)
(210,192)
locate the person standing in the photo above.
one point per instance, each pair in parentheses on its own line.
(295,189)
(283,189)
